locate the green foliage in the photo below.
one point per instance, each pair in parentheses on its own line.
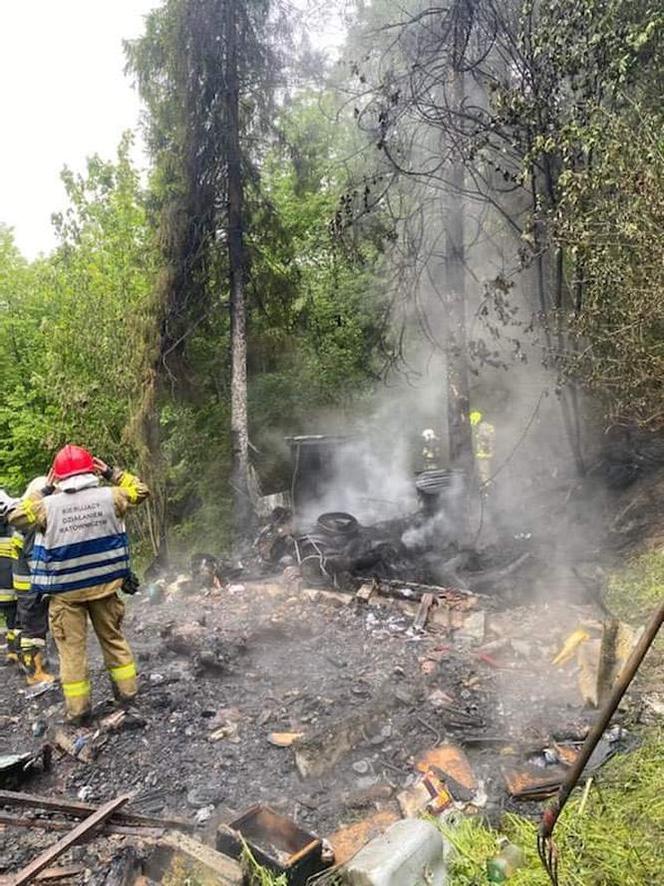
(257,875)
(137,290)
(615,841)
(70,325)
(610,219)
(634,591)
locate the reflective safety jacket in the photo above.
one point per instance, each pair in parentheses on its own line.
(81,547)
(7,594)
(84,543)
(483,440)
(22,547)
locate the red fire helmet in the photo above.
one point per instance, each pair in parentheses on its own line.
(72,460)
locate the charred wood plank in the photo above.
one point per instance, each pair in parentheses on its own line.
(50,875)
(479,580)
(51,824)
(414,591)
(423,612)
(81,830)
(82,810)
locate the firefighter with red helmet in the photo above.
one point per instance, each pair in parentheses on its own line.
(80,558)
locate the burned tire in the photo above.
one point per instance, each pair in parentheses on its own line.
(338,523)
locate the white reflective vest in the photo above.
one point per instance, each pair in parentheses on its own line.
(84,544)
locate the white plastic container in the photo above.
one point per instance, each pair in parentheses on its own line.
(411,852)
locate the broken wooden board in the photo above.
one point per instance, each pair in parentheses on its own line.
(600,661)
(82,748)
(531,783)
(179,858)
(423,612)
(284,739)
(50,824)
(30,871)
(59,872)
(365,592)
(119,720)
(82,810)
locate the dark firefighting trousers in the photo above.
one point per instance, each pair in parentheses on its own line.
(32,614)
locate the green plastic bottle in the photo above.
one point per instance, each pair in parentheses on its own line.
(503,865)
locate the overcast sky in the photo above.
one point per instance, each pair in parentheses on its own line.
(64,97)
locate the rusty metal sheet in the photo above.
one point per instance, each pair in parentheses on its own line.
(451,761)
(530,781)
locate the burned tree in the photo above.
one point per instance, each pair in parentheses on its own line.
(458,391)
(497,107)
(239,426)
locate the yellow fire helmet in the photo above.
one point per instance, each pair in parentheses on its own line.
(475,417)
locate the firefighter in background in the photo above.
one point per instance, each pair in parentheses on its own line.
(430,450)
(80,558)
(32,606)
(483,445)
(8,635)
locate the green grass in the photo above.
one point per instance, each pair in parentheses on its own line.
(618,840)
(257,875)
(634,591)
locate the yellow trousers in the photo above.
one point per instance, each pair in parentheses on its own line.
(68,621)
(483,469)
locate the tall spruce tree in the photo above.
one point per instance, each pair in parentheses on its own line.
(206,71)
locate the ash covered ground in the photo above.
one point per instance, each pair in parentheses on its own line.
(265,659)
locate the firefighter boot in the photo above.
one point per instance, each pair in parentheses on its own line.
(13,646)
(34,667)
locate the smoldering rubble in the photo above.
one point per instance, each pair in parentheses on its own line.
(341,677)
(321,705)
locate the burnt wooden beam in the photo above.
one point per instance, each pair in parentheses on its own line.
(423,612)
(82,810)
(50,824)
(82,829)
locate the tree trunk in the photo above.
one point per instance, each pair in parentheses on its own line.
(153,474)
(239,427)
(458,391)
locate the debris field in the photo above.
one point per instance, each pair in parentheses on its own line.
(325,705)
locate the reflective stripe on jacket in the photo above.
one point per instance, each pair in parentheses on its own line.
(22,546)
(7,594)
(84,543)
